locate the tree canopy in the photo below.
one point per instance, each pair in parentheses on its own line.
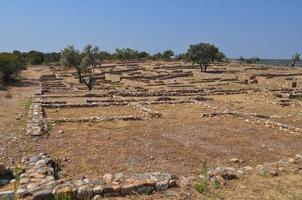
(204,54)
(10,65)
(84,62)
(167,55)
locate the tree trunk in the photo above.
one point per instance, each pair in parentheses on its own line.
(82,79)
(200,65)
(205,67)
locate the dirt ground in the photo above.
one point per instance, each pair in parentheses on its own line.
(179,141)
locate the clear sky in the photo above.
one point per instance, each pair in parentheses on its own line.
(263,28)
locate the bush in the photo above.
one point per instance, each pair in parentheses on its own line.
(10,66)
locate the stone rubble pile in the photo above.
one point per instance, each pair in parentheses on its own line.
(145,110)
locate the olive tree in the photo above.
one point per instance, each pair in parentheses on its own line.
(295,59)
(204,54)
(167,55)
(84,62)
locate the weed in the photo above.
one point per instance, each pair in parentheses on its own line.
(201,186)
(63,196)
(265,173)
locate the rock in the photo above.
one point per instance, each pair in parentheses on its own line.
(221,170)
(79,183)
(23,181)
(84,192)
(108,191)
(163,185)
(146,189)
(50,184)
(172,183)
(86,180)
(127,189)
(118,176)
(116,187)
(185,183)
(235,160)
(213,179)
(108,178)
(60,131)
(40,163)
(239,173)
(97,197)
(98,189)
(254,81)
(248,168)
(21,193)
(34,158)
(259,167)
(230,169)
(43,195)
(12,181)
(229,175)
(298,157)
(291,160)
(33,187)
(273,172)
(65,190)
(282,162)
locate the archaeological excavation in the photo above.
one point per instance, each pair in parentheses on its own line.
(150,100)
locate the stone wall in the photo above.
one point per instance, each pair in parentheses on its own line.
(41,181)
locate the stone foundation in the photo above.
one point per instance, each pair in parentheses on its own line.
(41,181)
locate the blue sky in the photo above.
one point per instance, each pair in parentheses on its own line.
(263,28)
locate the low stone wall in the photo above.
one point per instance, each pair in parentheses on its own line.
(95,119)
(179,92)
(257,118)
(35,126)
(40,181)
(234,113)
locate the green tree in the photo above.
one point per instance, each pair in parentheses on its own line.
(204,54)
(53,57)
(103,55)
(126,54)
(157,56)
(84,62)
(167,55)
(295,59)
(34,57)
(143,55)
(182,56)
(241,59)
(11,65)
